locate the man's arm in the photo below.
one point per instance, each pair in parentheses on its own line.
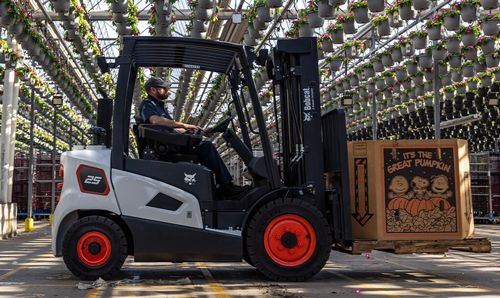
(157,120)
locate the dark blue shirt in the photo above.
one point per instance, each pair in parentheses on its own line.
(153,107)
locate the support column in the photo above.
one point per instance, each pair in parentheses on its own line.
(8,210)
(437,102)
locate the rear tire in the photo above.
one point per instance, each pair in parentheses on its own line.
(288,240)
(94,246)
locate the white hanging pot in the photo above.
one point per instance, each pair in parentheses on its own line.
(119,6)
(206,4)
(120,18)
(61,6)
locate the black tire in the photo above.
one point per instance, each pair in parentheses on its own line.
(104,227)
(266,263)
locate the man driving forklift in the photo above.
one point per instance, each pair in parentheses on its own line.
(153,111)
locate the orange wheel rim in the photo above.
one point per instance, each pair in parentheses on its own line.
(289,240)
(93,249)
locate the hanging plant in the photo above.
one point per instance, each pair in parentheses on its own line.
(345,17)
(451,18)
(489,24)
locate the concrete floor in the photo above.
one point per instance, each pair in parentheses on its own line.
(28,269)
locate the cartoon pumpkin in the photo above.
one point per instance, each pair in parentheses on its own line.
(415,206)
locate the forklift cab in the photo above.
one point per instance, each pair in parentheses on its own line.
(162,149)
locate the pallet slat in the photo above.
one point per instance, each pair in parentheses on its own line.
(479,245)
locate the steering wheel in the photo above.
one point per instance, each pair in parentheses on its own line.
(221,127)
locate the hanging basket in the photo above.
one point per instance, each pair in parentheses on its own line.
(7,20)
(468,71)
(387,60)
(376,5)
(425,61)
(378,66)
(438,54)
(204,15)
(456,76)
(468,13)
(123,29)
(249,41)
(254,33)
(419,42)
(453,45)
(470,55)
(61,6)
(274,3)
(434,33)
(200,26)
(490,27)
(263,13)
(418,80)
(337,36)
(121,18)
(16,28)
(315,21)
(394,20)
(369,72)
(349,27)
(325,10)
(479,67)
(206,4)
(488,47)
(361,15)
(327,45)
(406,12)
(23,36)
(162,8)
(421,4)
(452,23)
(383,28)
(119,6)
(489,4)
(305,30)
(491,61)
(397,55)
(469,39)
(401,75)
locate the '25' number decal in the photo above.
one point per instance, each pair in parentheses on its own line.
(92,180)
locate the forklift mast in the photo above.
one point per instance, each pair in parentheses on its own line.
(296,72)
(314,146)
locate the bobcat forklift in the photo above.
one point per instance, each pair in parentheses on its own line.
(163,206)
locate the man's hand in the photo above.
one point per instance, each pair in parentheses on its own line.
(206,132)
(196,128)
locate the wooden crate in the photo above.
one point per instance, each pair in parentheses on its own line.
(410,190)
(479,245)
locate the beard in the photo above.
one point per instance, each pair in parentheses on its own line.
(162,96)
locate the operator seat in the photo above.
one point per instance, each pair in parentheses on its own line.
(157,142)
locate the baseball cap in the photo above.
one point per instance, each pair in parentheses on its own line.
(155,82)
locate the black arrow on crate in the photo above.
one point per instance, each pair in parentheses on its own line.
(361,191)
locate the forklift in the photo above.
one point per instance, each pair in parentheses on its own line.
(164,207)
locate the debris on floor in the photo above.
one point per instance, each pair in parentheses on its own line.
(101,283)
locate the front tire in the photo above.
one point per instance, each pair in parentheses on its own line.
(288,240)
(94,246)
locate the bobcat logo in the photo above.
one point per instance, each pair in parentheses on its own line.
(189,179)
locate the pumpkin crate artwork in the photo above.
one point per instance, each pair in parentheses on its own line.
(409,190)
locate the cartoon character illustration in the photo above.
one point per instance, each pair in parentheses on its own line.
(440,192)
(419,186)
(399,187)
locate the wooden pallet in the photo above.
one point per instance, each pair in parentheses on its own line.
(479,245)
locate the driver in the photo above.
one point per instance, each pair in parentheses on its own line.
(153,110)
